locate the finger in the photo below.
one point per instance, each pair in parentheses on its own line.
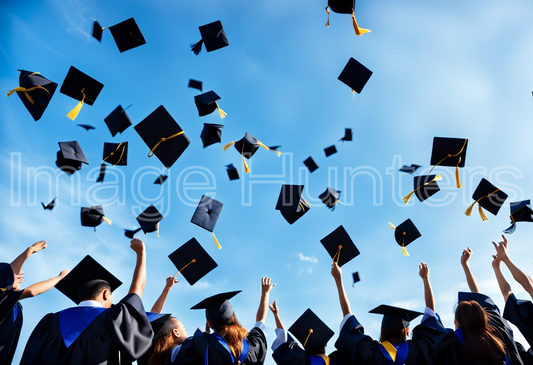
(504,240)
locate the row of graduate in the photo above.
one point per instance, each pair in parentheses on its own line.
(99,332)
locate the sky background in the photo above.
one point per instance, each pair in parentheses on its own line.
(440,69)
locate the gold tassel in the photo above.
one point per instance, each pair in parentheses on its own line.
(307,338)
(158,232)
(404,251)
(216,241)
(392,226)
(358,31)
(25,91)
(337,255)
(221,112)
(327,9)
(469,210)
(457,174)
(228,145)
(74,112)
(183,268)
(246,168)
(107,220)
(482,213)
(353,94)
(408,197)
(164,139)
(266,148)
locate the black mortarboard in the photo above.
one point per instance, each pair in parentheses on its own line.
(206,103)
(311,164)
(355,277)
(345,7)
(50,205)
(127,35)
(340,246)
(192,261)
(487,196)
(116,153)
(161,179)
(157,321)
(87,127)
(410,169)
(355,75)
(348,135)
(81,87)
(331,150)
(213,36)
(149,220)
(289,197)
(312,333)
(35,91)
(520,212)
(86,270)
(395,318)
(118,120)
(330,197)
(247,146)
(233,173)
(70,157)
(218,309)
(449,152)
(97,31)
(206,214)
(130,234)
(211,134)
(405,233)
(195,84)
(424,187)
(292,216)
(101,175)
(93,216)
(163,135)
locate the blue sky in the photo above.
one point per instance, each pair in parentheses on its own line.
(450,69)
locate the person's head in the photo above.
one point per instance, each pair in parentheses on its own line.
(98,290)
(394,335)
(171,335)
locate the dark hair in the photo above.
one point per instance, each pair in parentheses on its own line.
(92,288)
(387,334)
(233,333)
(163,343)
(481,343)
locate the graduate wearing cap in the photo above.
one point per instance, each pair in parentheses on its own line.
(11,276)
(230,343)
(95,331)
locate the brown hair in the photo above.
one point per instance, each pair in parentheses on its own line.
(392,335)
(233,333)
(163,344)
(481,343)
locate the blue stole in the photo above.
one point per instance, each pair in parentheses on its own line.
(17,311)
(73,321)
(401,353)
(244,352)
(316,360)
(459,334)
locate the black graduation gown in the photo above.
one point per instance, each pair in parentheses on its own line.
(520,313)
(118,335)
(193,350)
(10,316)
(359,348)
(289,353)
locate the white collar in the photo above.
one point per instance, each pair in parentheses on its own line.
(90,303)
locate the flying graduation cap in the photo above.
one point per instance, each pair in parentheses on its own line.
(213,37)
(93,216)
(50,205)
(218,309)
(233,173)
(211,134)
(101,175)
(424,187)
(487,196)
(87,127)
(118,121)
(355,75)
(355,278)
(345,7)
(340,246)
(81,87)
(161,179)
(311,332)
(98,30)
(449,152)
(114,154)
(404,234)
(409,169)
(247,146)
(348,135)
(520,212)
(35,92)
(195,84)
(395,318)
(127,35)
(311,164)
(130,234)
(331,150)
(330,197)
(149,220)
(192,261)
(206,103)
(206,215)
(291,203)
(70,157)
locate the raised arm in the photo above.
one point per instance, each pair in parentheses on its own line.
(470,279)
(262,311)
(336,272)
(275,312)
(505,288)
(43,286)
(518,275)
(138,282)
(16,265)
(160,302)
(423,271)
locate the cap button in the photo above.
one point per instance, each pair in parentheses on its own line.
(112,153)
(404,233)
(163,139)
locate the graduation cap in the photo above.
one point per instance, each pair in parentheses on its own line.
(157,321)
(404,234)
(101,175)
(206,103)
(116,153)
(355,75)
(211,134)
(86,270)
(348,135)
(50,205)
(87,127)
(192,261)
(520,212)
(311,164)
(291,203)
(355,277)
(149,220)
(424,187)
(81,87)
(35,91)
(449,152)
(161,179)
(97,31)
(218,309)
(330,197)
(395,318)
(130,234)
(312,333)
(163,135)
(345,7)
(247,146)
(195,84)
(331,150)
(93,216)
(487,196)
(410,169)
(206,215)
(118,120)
(340,246)
(213,36)
(70,157)
(233,173)
(127,35)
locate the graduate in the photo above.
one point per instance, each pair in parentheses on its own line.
(11,276)
(230,343)
(96,331)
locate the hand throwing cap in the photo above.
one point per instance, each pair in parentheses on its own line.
(340,246)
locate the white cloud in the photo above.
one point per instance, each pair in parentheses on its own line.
(302,257)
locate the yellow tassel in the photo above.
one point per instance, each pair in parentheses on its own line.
(307,338)
(358,31)
(228,145)
(266,148)
(481,213)
(327,9)
(408,197)
(107,220)
(404,251)
(246,168)
(158,232)
(457,174)
(221,112)
(74,112)
(392,226)
(216,241)
(353,94)
(469,210)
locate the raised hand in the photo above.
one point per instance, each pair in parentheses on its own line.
(37,246)
(465,257)
(266,285)
(501,249)
(423,270)
(137,245)
(336,271)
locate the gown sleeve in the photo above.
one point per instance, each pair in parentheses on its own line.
(520,313)
(258,346)
(289,353)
